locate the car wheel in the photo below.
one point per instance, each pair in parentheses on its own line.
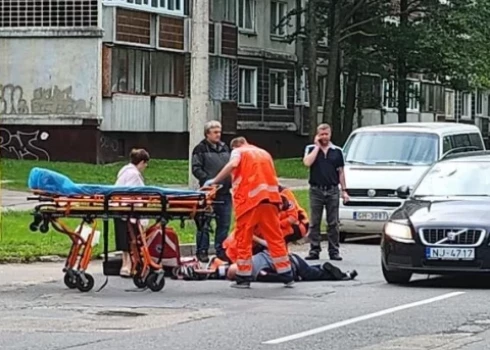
(396,277)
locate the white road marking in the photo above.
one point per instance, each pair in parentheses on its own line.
(360,319)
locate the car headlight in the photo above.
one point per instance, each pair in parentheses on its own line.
(400,231)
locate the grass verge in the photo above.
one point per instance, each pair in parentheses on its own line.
(160,172)
(18,243)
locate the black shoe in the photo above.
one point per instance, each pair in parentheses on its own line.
(336,257)
(353,274)
(313,256)
(241,283)
(203,257)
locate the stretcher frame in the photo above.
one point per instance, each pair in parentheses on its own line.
(119,205)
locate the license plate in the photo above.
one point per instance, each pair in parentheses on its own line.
(371,216)
(450,253)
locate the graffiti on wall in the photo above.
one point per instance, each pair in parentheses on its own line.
(44,101)
(12,100)
(109,144)
(57,101)
(23,145)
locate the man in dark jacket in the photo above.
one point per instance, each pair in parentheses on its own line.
(208,158)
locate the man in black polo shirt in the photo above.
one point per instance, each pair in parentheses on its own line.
(326,163)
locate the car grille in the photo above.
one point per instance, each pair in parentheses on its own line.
(372,204)
(452,236)
(377,194)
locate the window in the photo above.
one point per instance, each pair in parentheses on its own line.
(278,89)
(432,98)
(175,7)
(147,73)
(370,91)
(130,71)
(376,147)
(247,86)
(220,79)
(413,94)
(390,94)
(449,104)
(392,147)
(446,144)
(246,15)
(305,92)
(224,10)
(476,141)
(466,106)
(449,179)
(48,13)
(279,20)
(167,74)
(479,103)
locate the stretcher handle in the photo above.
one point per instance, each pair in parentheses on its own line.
(41,199)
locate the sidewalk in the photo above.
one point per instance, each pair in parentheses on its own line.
(17,200)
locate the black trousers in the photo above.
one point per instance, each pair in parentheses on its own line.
(122,234)
(320,200)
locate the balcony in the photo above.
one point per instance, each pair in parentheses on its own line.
(166,7)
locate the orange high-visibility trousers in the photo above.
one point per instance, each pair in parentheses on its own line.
(265,219)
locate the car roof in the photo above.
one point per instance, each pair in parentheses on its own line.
(434,127)
(467,157)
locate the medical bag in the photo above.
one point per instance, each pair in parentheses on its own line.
(171,249)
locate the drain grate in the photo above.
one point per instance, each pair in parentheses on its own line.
(116,313)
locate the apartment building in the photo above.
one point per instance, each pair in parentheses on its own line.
(87,80)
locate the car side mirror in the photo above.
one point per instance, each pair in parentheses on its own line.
(403,192)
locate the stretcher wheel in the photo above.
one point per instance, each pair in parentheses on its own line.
(85,287)
(33,227)
(44,228)
(139,281)
(70,281)
(155,281)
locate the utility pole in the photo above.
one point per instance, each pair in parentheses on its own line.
(199,101)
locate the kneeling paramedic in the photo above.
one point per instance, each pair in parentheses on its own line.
(256,201)
(293,218)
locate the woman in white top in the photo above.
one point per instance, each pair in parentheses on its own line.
(129,175)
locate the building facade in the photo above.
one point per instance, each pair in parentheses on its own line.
(87,80)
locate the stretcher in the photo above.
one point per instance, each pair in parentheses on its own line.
(150,247)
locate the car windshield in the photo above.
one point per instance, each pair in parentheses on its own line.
(455,179)
(382,147)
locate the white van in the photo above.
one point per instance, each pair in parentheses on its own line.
(379,159)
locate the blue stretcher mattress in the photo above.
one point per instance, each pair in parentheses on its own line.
(54,183)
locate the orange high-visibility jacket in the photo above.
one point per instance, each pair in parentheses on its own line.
(292,212)
(254,180)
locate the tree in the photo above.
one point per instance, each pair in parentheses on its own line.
(439,39)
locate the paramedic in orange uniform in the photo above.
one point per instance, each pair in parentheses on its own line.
(256,201)
(293,221)
(293,218)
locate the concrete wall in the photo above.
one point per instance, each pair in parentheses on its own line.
(49,80)
(377,117)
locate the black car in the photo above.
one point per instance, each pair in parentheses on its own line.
(443,226)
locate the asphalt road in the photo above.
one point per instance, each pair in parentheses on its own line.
(38,312)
